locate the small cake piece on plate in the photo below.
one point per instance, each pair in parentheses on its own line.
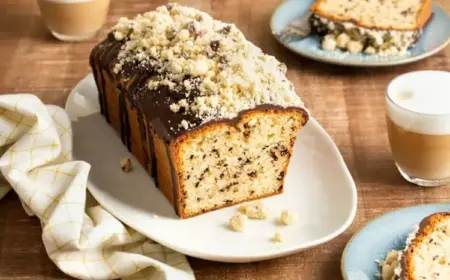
(277,238)
(255,210)
(210,116)
(238,222)
(287,217)
(385,27)
(427,252)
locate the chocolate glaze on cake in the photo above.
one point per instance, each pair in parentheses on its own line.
(153,103)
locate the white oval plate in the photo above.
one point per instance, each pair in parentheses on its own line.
(318,188)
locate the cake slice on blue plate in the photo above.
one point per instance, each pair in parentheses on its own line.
(385,27)
(426,255)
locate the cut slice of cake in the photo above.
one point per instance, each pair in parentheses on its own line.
(386,27)
(426,255)
(210,116)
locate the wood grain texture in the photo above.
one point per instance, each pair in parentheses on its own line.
(348,102)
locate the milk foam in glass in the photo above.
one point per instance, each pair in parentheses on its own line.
(418,121)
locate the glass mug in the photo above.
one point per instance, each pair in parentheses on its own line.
(418,121)
(74,20)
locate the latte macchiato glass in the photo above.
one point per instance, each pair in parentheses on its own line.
(74,20)
(418,121)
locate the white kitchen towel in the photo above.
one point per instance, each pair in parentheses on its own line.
(84,241)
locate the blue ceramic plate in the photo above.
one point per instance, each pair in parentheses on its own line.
(383,234)
(433,40)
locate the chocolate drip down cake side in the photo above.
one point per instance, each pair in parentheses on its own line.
(211,118)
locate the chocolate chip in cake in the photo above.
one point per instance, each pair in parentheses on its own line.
(191,156)
(170,6)
(280,176)
(223,60)
(170,34)
(273,155)
(196,184)
(216,152)
(221,175)
(228,201)
(252,192)
(284,151)
(226,30)
(215,45)
(198,199)
(191,27)
(199,17)
(230,149)
(252,174)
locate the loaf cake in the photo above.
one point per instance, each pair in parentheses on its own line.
(385,27)
(426,255)
(210,116)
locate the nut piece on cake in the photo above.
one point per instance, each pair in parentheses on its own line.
(426,255)
(384,27)
(210,116)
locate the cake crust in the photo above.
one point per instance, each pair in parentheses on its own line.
(421,19)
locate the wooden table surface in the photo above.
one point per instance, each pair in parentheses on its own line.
(348,102)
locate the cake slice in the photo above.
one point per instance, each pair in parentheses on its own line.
(426,255)
(386,27)
(210,116)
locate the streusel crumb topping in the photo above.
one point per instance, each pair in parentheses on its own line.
(192,52)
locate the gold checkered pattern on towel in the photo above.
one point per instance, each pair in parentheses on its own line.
(84,242)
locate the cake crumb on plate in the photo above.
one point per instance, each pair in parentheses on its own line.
(238,222)
(126,165)
(255,210)
(287,217)
(277,238)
